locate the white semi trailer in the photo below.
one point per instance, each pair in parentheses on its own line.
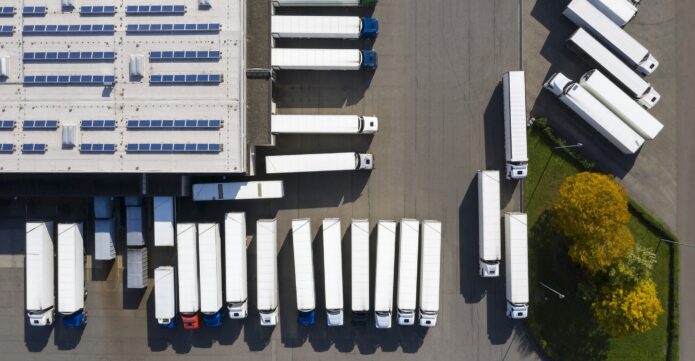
(515,146)
(324,27)
(516,265)
(619,11)
(333,271)
(266,271)
(210,264)
(187,257)
(40,295)
(237,191)
(323,124)
(430,272)
(104,239)
(407,271)
(359,231)
(235,265)
(586,16)
(323,59)
(489,224)
(304,271)
(71,290)
(136,269)
(582,42)
(621,104)
(164,296)
(324,2)
(134,226)
(595,113)
(385,262)
(164,219)
(326,162)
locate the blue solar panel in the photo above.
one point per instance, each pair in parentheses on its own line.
(97,10)
(40,124)
(6,30)
(6,124)
(34,10)
(174,148)
(33,148)
(7,11)
(98,124)
(95,29)
(97,148)
(105,80)
(174,28)
(186,79)
(66,56)
(6,148)
(174,124)
(184,55)
(155,10)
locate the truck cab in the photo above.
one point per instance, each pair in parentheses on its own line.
(365,161)
(41,318)
(190,322)
(269,317)
(359,318)
(370,60)
(213,319)
(406,317)
(306,318)
(649,99)
(369,125)
(334,317)
(489,269)
(237,310)
(370,28)
(428,318)
(517,170)
(517,311)
(382,319)
(77,319)
(166,323)
(557,83)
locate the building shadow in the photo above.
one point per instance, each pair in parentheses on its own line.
(67,338)
(132,297)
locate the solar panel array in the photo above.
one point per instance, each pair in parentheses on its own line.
(175,124)
(98,124)
(34,10)
(6,124)
(184,55)
(155,9)
(6,10)
(51,56)
(93,29)
(6,148)
(97,10)
(105,80)
(174,148)
(173,28)
(174,79)
(34,148)
(97,148)
(6,30)
(40,124)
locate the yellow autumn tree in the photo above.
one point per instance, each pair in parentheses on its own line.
(627,312)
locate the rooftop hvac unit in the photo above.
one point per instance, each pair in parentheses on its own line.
(204,3)
(69,136)
(4,67)
(137,66)
(68,3)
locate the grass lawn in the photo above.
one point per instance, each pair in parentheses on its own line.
(563,327)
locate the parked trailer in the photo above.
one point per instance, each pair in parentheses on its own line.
(186,249)
(586,16)
(430,269)
(582,42)
(333,271)
(515,146)
(137,267)
(304,271)
(103,207)
(71,290)
(323,124)
(164,232)
(40,295)
(236,191)
(326,162)
(489,224)
(324,2)
(134,227)
(104,239)
(407,271)
(385,262)
(619,11)
(323,59)
(266,271)
(164,296)
(595,113)
(210,261)
(360,271)
(324,27)
(516,265)
(621,104)
(235,265)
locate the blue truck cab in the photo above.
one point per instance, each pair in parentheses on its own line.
(370,60)
(307,318)
(77,319)
(213,320)
(370,28)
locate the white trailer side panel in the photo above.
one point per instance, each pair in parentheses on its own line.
(210,261)
(300,163)
(514,85)
(164,293)
(104,239)
(238,191)
(318,27)
(134,227)
(385,264)
(303,264)
(360,265)
(70,268)
(39,266)
(164,232)
(137,267)
(516,252)
(489,217)
(266,264)
(333,263)
(430,267)
(316,59)
(235,257)
(317,2)
(322,124)
(408,263)
(187,267)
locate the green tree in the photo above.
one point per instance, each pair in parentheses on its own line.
(633,269)
(622,312)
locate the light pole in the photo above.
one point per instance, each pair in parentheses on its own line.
(578,145)
(673,242)
(559,295)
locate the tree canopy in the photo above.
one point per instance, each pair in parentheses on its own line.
(623,312)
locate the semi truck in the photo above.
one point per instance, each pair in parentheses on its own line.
(71,290)
(134,226)
(304,271)
(596,54)
(516,264)
(187,256)
(236,191)
(266,271)
(210,263)
(515,146)
(385,262)
(323,59)
(235,265)
(407,271)
(323,124)
(359,247)
(326,162)
(595,113)
(164,296)
(619,11)
(333,271)
(40,302)
(164,233)
(324,2)
(489,223)
(137,267)
(586,16)
(324,27)
(621,104)
(104,239)
(430,272)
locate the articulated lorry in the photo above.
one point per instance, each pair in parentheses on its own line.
(621,104)
(516,264)
(596,54)
(586,16)
(385,262)
(324,27)
(619,11)
(210,263)
(326,162)
(164,232)
(489,224)
(323,59)
(595,113)
(164,296)
(333,271)
(407,271)
(236,295)
(360,271)
(40,295)
(304,271)
(71,290)
(136,268)
(323,124)
(236,191)
(515,146)
(430,272)
(187,256)
(324,2)
(267,271)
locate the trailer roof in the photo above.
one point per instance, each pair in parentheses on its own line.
(360,264)
(303,264)
(164,221)
(235,256)
(408,263)
(385,262)
(70,268)
(39,265)
(209,251)
(430,266)
(515,95)
(187,267)
(318,26)
(164,293)
(489,219)
(266,263)
(333,263)
(516,244)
